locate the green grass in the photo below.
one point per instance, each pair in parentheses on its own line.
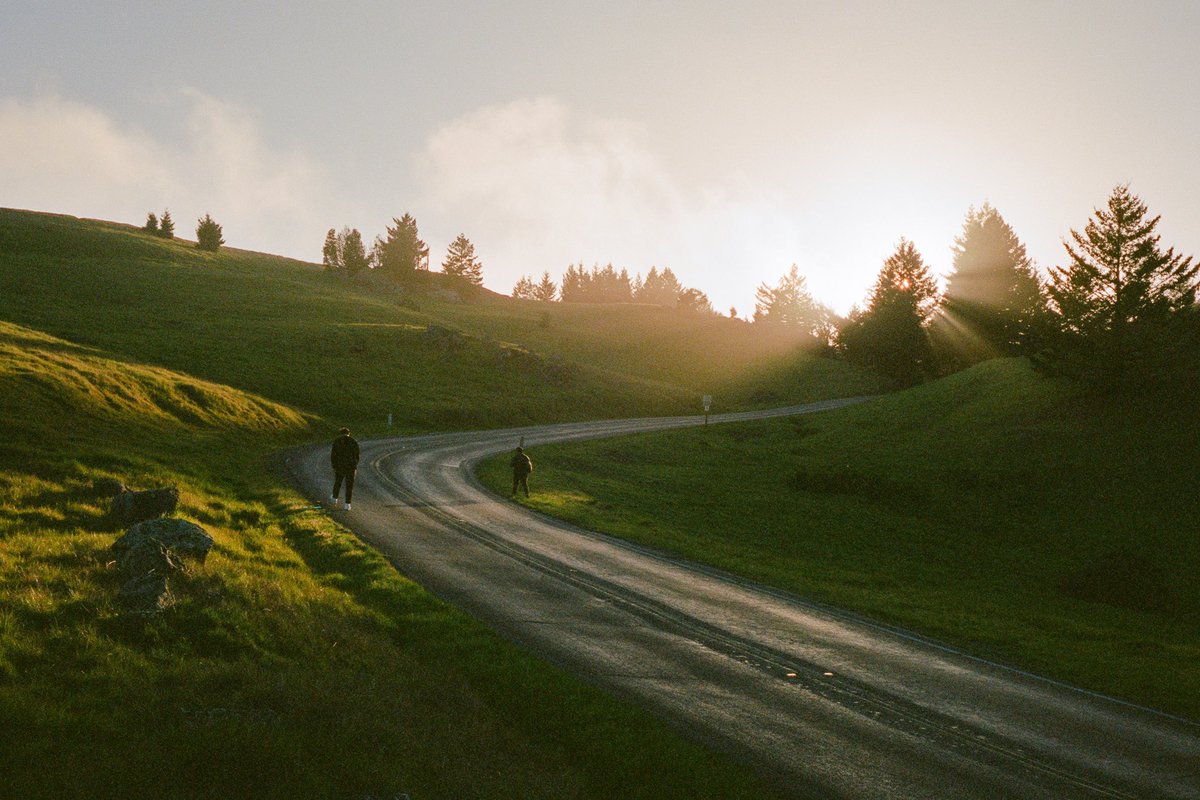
(286,330)
(295,663)
(995,509)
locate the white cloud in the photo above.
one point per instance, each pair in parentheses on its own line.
(68,157)
(537,186)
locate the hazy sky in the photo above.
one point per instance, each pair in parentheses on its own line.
(724,140)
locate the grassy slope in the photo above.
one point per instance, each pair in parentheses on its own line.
(286,330)
(296,662)
(994,509)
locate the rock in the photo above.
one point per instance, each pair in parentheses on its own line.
(107,487)
(182,538)
(146,595)
(443,338)
(147,556)
(129,507)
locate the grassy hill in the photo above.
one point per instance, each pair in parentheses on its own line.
(296,662)
(286,330)
(994,509)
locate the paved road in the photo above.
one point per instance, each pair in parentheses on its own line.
(823,703)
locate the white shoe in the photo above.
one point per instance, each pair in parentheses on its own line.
(346,507)
(333,499)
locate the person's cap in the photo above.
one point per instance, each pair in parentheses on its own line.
(344,431)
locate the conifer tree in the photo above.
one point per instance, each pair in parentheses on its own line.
(890,336)
(524,289)
(545,290)
(331,252)
(402,252)
(166,226)
(354,253)
(790,303)
(461,261)
(1119,296)
(208,234)
(994,304)
(151,225)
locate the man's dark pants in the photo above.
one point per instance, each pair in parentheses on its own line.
(348,477)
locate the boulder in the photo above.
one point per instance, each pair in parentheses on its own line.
(146,595)
(147,556)
(130,507)
(107,487)
(182,538)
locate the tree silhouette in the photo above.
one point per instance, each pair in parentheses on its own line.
(331,252)
(354,253)
(890,335)
(151,225)
(524,289)
(166,226)
(790,303)
(994,303)
(208,234)
(1119,296)
(545,290)
(461,261)
(402,252)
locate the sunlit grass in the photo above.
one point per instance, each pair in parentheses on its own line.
(995,509)
(295,662)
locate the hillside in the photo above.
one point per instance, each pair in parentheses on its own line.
(288,331)
(994,509)
(294,662)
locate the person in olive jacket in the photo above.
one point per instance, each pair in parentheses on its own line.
(344,459)
(521,467)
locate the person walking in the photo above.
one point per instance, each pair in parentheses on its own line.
(343,456)
(522,465)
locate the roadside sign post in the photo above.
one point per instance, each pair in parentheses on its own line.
(707,400)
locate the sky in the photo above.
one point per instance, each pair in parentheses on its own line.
(726,141)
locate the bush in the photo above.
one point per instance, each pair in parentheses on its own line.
(208,234)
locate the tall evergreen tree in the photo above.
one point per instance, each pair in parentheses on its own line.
(890,335)
(402,252)
(545,290)
(461,261)
(524,289)
(208,234)
(331,252)
(790,303)
(354,252)
(166,225)
(1120,294)
(151,225)
(994,303)
(576,284)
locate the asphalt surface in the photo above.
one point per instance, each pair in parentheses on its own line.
(821,702)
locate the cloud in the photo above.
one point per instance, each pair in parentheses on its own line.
(68,157)
(537,186)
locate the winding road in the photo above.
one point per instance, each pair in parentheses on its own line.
(819,701)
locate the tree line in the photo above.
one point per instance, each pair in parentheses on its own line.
(398,255)
(1121,312)
(208,232)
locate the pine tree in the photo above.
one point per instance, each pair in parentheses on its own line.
(331,252)
(208,234)
(1120,294)
(151,225)
(402,252)
(524,289)
(166,226)
(461,261)
(790,303)
(994,304)
(890,336)
(576,285)
(545,290)
(354,253)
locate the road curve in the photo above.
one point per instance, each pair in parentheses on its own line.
(821,702)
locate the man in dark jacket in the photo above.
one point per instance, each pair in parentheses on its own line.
(521,467)
(344,459)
